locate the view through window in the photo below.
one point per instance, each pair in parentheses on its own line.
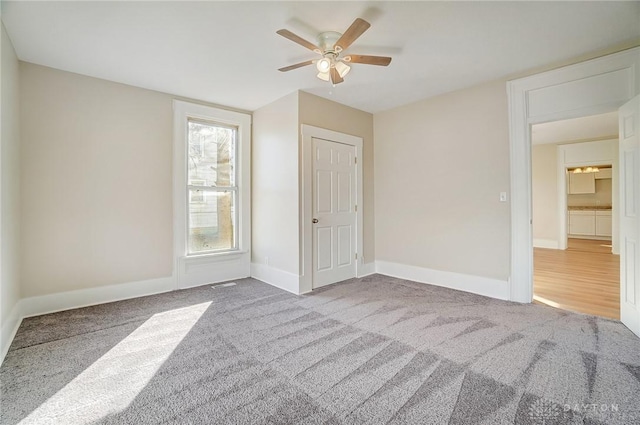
(212,187)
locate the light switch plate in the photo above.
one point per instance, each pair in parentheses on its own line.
(503,196)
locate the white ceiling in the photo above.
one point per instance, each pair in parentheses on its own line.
(228,52)
(576,129)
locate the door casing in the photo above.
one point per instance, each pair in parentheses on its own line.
(587,88)
(629,174)
(306,236)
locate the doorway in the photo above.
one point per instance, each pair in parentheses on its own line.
(592,87)
(574,175)
(339,211)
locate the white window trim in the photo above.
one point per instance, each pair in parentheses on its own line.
(200,269)
(191,201)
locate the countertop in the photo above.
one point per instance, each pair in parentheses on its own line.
(599,207)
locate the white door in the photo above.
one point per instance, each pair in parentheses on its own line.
(629,122)
(334,212)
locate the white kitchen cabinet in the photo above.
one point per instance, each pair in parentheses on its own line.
(604,173)
(603,223)
(590,223)
(582,183)
(582,222)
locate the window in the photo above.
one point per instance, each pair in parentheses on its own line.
(211,178)
(211,181)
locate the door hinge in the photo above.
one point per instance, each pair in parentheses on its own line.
(356,255)
(356,208)
(355,159)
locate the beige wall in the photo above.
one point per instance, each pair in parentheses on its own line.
(275,187)
(276,173)
(544,182)
(10,182)
(96,182)
(440,165)
(321,112)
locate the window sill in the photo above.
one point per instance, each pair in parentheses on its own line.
(213,257)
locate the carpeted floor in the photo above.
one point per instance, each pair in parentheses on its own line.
(374,350)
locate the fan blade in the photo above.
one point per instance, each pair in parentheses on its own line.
(335,76)
(298,65)
(357,28)
(296,39)
(369,60)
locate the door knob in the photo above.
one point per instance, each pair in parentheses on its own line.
(314,221)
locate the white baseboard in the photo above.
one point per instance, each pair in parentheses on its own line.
(9,329)
(275,277)
(546,243)
(51,303)
(591,237)
(366,269)
(488,287)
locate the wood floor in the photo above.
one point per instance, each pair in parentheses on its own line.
(584,278)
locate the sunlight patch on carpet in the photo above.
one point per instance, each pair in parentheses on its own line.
(112,382)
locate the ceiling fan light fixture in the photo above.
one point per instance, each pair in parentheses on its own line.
(331,66)
(323,65)
(342,68)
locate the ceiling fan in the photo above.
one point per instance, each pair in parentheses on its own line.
(332,67)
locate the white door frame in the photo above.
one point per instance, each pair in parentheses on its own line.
(306,208)
(593,87)
(628,122)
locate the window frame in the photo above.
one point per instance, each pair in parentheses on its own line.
(196,187)
(234,190)
(218,265)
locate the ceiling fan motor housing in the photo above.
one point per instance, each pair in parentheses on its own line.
(327,42)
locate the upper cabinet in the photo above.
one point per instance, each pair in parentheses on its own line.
(604,173)
(582,183)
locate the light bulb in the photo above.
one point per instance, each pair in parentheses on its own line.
(588,170)
(323,65)
(577,171)
(342,68)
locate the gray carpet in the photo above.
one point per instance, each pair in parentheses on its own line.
(374,350)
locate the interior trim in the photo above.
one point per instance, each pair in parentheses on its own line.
(276,277)
(546,243)
(479,285)
(9,330)
(592,87)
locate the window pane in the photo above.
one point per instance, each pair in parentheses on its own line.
(211,221)
(211,154)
